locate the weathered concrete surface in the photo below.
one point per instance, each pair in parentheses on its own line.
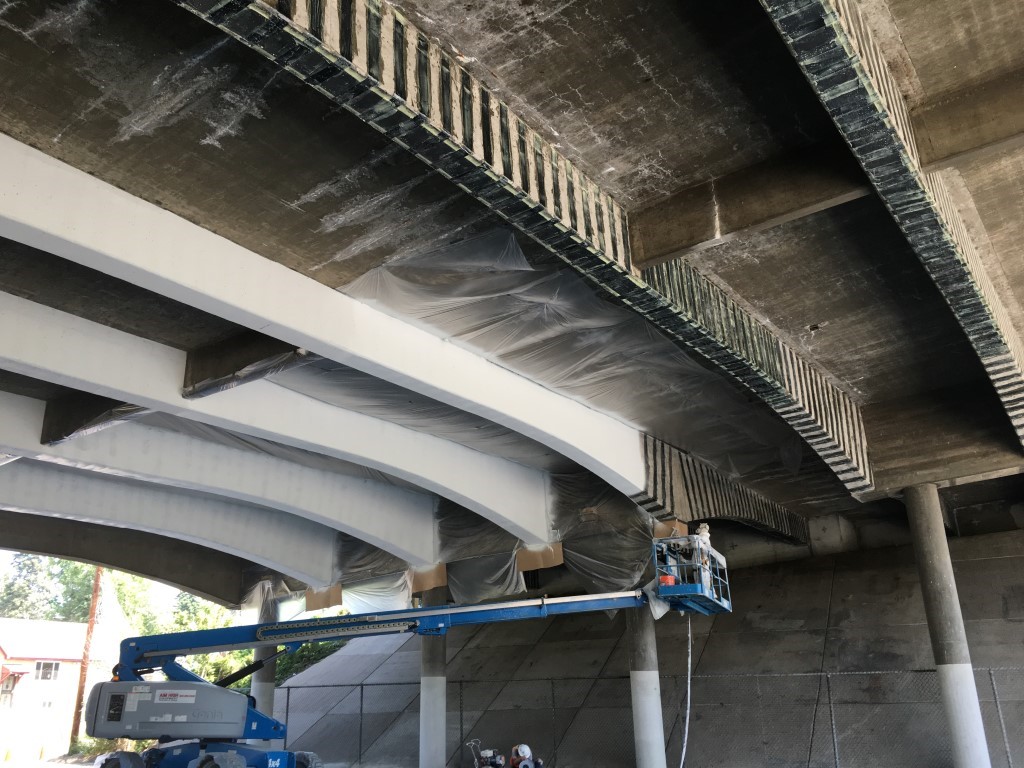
(842,287)
(657,60)
(825,662)
(940,436)
(158,103)
(763,196)
(942,41)
(995,184)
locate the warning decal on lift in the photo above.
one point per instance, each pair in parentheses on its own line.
(176,696)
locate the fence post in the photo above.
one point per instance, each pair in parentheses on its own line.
(287,710)
(1002,723)
(832,720)
(554,725)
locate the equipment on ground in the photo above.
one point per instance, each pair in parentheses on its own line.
(199,724)
(484,758)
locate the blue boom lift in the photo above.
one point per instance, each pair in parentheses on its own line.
(200,724)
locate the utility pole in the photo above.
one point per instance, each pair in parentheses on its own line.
(83,671)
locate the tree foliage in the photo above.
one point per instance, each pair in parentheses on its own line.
(292,663)
(23,594)
(60,590)
(195,613)
(134,597)
(46,588)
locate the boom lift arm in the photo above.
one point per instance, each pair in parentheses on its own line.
(690,577)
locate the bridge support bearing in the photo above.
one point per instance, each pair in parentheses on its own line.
(433,690)
(645,689)
(946,628)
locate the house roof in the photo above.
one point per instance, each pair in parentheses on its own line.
(32,639)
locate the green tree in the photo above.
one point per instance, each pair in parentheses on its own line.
(73,590)
(25,593)
(192,613)
(60,590)
(135,599)
(47,588)
(291,664)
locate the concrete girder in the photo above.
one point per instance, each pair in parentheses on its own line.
(203,571)
(113,232)
(80,413)
(54,346)
(402,522)
(466,134)
(833,45)
(250,356)
(295,547)
(760,197)
(982,120)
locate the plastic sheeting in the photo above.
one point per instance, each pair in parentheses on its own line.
(484,578)
(547,324)
(264,368)
(385,593)
(239,441)
(461,534)
(358,561)
(606,538)
(347,388)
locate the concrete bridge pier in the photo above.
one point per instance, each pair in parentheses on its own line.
(433,691)
(645,689)
(946,628)
(262,682)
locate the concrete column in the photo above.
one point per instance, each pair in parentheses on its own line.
(433,691)
(262,684)
(645,687)
(946,627)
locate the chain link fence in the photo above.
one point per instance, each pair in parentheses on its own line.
(828,720)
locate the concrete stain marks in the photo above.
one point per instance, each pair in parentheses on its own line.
(366,207)
(955,44)
(235,106)
(170,96)
(346,183)
(63,21)
(390,222)
(145,98)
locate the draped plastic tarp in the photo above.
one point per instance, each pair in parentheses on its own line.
(543,322)
(547,324)
(353,390)
(239,441)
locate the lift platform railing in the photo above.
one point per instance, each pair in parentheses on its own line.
(691,575)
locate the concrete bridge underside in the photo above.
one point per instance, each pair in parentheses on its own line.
(332,290)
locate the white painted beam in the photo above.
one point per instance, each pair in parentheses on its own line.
(397,520)
(54,346)
(55,207)
(286,543)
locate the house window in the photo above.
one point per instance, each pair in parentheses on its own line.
(47,670)
(7,691)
